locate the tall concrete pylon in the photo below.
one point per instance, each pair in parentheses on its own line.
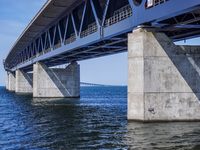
(163,78)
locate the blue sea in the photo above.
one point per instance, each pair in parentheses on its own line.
(96,120)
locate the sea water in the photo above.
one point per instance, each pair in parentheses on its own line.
(96,120)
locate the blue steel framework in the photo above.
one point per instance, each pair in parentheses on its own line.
(92,28)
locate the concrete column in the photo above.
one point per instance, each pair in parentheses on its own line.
(11,82)
(7,82)
(163,79)
(24,82)
(56,82)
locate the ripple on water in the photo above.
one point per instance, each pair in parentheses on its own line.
(97,120)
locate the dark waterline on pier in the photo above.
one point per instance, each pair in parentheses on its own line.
(97,120)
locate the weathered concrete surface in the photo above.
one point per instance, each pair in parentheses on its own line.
(24,82)
(7,82)
(11,82)
(163,79)
(56,82)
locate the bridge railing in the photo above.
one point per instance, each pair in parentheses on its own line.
(47,50)
(91,29)
(57,45)
(119,15)
(71,39)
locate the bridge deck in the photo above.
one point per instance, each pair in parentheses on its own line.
(70,30)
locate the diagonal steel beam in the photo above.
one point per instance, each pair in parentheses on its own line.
(66,27)
(83,16)
(95,14)
(74,25)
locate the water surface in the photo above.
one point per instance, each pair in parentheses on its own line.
(97,120)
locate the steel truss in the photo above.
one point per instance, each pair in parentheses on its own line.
(94,28)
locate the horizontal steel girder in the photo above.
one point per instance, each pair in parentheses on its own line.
(66,30)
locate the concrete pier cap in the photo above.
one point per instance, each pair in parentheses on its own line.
(163,78)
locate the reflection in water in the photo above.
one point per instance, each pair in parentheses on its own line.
(181,135)
(53,101)
(97,120)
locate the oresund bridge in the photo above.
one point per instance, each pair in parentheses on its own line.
(163,78)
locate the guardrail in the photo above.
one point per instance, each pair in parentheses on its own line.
(91,29)
(119,15)
(71,39)
(57,45)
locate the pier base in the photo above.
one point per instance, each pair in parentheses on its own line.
(11,82)
(56,82)
(163,79)
(24,82)
(7,82)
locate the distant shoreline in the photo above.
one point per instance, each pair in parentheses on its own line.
(89,85)
(82,84)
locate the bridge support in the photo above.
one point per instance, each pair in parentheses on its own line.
(24,82)
(163,79)
(7,82)
(56,82)
(11,81)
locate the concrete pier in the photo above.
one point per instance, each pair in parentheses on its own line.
(11,81)
(24,82)
(7,82)
(56,82)
(163,79)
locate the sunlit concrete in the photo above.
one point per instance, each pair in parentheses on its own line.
(56,82)
(24,82)
(7,82)
(163,79)
(11,81)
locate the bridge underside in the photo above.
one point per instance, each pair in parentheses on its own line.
(65,30)
(180,27)
(106,47)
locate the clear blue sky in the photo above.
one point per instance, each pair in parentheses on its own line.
(15,16)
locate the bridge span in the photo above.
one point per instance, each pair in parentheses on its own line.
(163,78)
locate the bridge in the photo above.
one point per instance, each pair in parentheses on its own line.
(163,78)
